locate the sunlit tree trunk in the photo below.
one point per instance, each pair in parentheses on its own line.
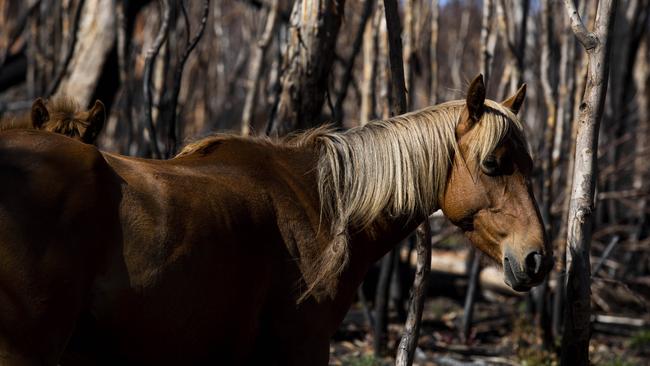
(96,37)
(487,40)
(575,342)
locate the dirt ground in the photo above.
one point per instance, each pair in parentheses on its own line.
(503,334)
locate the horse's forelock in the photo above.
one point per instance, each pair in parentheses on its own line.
(66,116)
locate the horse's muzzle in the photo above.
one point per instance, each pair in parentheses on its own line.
(523,276)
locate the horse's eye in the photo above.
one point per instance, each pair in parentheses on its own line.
(490,165)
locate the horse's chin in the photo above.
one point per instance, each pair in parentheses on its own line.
(515,283)
(517,287)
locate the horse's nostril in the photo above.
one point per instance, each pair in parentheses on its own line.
(533,263)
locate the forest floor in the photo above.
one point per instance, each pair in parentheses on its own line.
(503,334)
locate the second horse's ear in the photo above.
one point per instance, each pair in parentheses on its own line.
(40,115)
(95,120)
(515,102)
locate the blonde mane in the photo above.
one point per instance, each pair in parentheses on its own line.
(396,167)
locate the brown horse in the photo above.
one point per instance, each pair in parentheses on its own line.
(63,116)
(244,251)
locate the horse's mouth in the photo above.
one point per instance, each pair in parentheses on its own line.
(518,283)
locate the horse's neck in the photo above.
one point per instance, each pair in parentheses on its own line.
(382,236)
(366,248)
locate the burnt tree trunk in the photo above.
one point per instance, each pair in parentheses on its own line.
(381,305)
(255,68)
(409,342)
(575,342)
(307,61)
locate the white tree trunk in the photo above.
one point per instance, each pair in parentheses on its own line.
(96,36)
(575,342)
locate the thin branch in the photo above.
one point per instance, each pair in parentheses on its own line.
(349,66)
(409,340)
(586,38)
(255,69)
(122,57)
(190,45)
(629,193)
(149,59)
(470,298)
(606,253)
(186,20)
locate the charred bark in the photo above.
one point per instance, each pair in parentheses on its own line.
(307,62)
(575,342)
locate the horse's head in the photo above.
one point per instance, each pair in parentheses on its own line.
(488,192)
(63,116)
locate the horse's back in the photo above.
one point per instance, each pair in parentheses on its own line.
(202,252)
(56,221)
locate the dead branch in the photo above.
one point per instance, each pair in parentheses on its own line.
(349,65)
(149,59)
(606,253)
(588,40)
(619,320)
(470,298)
(409,340)
(629,193)
(189,46)
(255,68)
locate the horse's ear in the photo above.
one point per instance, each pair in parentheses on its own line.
(476,98)
(475,102)
(40,115)
(514,102)
(96,118)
